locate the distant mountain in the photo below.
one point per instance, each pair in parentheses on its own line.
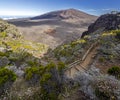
(64,14)
(55,28)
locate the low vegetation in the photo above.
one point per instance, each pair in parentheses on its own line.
(15,52)
(97,86)
(70,52)
(118,34)
(49,78)
(20,61)
(115,71)
(7,77)
(104,90)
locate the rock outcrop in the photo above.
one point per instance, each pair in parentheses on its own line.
(104,23)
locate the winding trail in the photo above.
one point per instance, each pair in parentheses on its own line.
(82,65)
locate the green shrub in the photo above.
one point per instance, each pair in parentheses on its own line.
(45,78)
(53,96)
(115,71)
(48,87)
(61,66)
(39,71)
(51,82)
(80,41)
(33,62)
(3,54)
(50,66)
(102,59)
(118,34)
(3,34)
(6,75)
(31,72)
(20,55)
(49,78)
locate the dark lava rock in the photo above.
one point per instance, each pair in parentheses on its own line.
(105,22)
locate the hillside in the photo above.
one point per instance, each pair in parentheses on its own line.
(55,28)
(11,38)
(87,68)
(93,59)
(16,54)
(106,40)
(22,76)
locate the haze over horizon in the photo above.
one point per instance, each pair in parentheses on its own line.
(38,7)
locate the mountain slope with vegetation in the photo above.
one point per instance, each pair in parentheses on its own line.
(104,66)
(22,76)
(16,54)
(85,69)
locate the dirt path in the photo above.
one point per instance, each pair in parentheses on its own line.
(89,57)
(84,64)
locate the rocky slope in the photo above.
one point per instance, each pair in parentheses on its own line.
(55,28)
(105,23)
(107,38)
(101,65)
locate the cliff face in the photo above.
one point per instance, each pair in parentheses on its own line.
(104,23)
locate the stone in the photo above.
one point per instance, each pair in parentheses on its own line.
(24,66)
(19,73)
(4,61)
(105,22)
(63,59)
(16,70)
(2,49)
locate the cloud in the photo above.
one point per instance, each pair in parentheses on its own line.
(17,13)
(108,9)
(92,10)
(102,10)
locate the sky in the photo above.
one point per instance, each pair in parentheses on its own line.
(38,7)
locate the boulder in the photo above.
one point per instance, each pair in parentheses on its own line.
(63,59)
(16,70)
(4,61)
